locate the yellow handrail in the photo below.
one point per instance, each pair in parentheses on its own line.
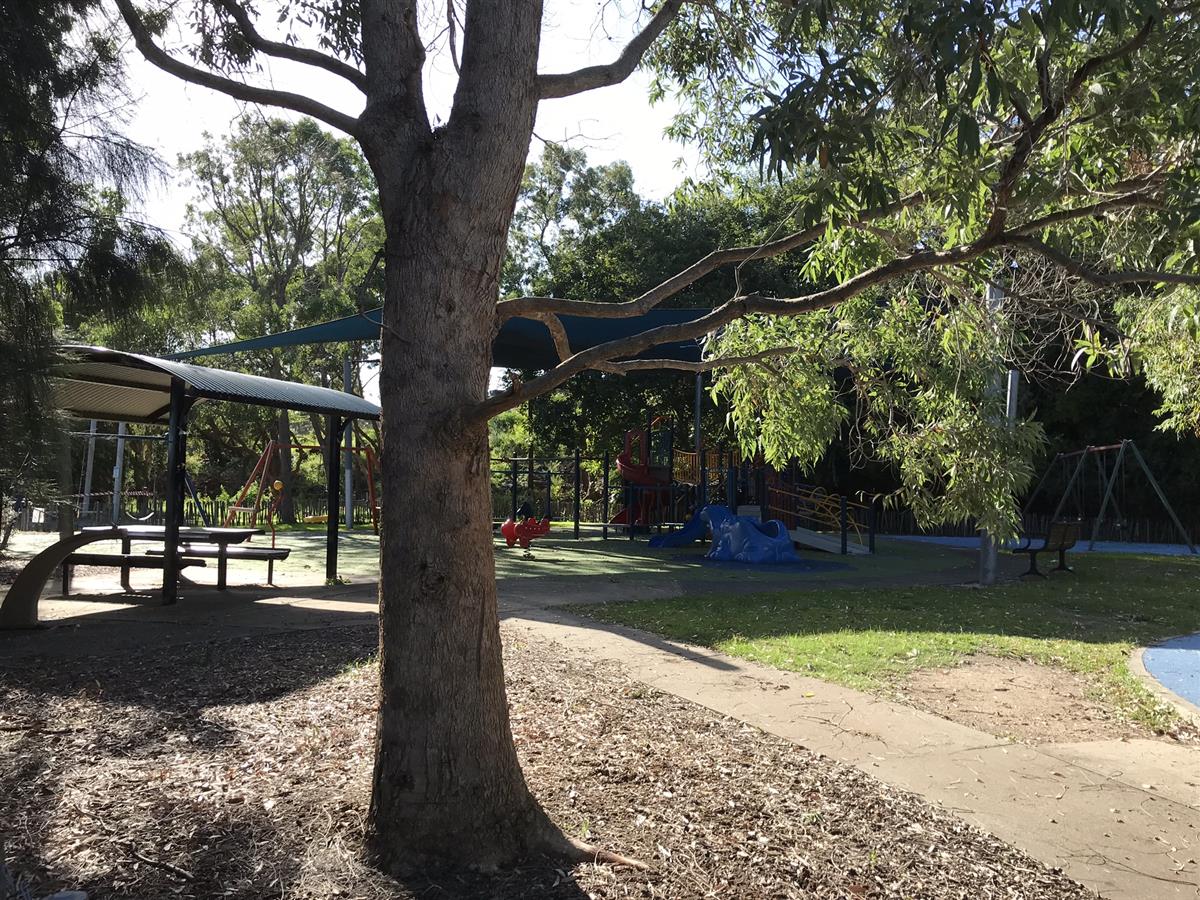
(816,505)
(687,465)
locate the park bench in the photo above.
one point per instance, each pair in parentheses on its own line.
(123,561)
(222,553)
(1061,537)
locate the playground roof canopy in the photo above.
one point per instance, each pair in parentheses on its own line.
(113,385)
(521,343)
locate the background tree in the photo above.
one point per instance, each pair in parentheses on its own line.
(944,136)
(66,245)
(284,221)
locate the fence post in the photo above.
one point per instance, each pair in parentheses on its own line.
(843,522)
(871,527)
(760,487)
(514,488)
(604,499)
(731,491)
(529,490)
(578,492)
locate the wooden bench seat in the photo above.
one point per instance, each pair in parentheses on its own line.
(1060,537)
(123,561)
(222,553)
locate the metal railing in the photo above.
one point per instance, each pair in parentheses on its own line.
(814,508)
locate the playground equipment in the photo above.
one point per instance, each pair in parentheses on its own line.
(694,529)
(745,539)
(271,460)
(1109,484)
(646,473)
(524,531)
(820,520)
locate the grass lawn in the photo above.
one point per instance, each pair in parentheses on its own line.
(871,638)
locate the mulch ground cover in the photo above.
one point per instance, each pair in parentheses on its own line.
(241,769)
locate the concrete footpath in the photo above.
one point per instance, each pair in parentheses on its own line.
(1122,817)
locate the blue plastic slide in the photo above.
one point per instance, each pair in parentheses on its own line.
(695,529)
(746,540)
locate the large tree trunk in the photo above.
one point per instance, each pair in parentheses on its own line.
(447,783)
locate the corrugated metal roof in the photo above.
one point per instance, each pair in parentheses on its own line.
(98,383)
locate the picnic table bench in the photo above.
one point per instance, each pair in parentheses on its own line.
(19,606)
(125,561)
(222,553)
(1062,535)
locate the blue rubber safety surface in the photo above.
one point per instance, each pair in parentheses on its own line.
(972,543)
(1175,664)
(804,565)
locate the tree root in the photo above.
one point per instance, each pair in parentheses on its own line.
(555,843)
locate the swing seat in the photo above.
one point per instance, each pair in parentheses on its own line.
(1061,537)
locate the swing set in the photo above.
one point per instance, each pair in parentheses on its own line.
(1107,464)
(271,461)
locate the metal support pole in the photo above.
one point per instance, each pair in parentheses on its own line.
(333,453)
(604,498)
(175,464)
(731,491)
(86,505)
(514,488)
(699,438)
(988,548)
(118,475)
(1187,538)
(702,488)
(348,462)
(871,522)
(578,491)
(1110,483)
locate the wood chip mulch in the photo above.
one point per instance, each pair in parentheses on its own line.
(241,769)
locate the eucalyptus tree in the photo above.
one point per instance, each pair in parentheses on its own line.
(945,138)
(68,248)
(285,210)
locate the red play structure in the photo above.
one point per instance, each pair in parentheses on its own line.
(649,470)
(525,531)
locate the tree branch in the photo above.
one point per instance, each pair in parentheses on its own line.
(733,309)
(1052,109)
(592,77)
(562,345)
(705,365)
(236,89)
(1074,267)
(288,51)
(1137,198)
(532,307)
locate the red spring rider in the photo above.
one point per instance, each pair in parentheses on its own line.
(525,527)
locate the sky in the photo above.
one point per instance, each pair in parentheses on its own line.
(615,123)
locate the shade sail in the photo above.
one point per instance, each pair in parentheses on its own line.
(521,344)
(98,383)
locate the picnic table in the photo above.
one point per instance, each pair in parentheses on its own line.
(19,608)
(195,545)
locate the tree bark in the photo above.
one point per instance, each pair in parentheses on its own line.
(447,783)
